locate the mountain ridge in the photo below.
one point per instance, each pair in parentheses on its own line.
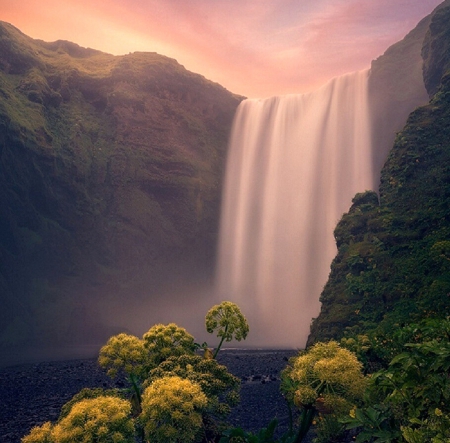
(110,183)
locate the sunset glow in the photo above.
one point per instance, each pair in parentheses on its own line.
(256,48)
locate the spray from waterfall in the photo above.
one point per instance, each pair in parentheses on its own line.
(295,162)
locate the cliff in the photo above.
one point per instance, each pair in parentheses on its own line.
(110,172)
(393,261)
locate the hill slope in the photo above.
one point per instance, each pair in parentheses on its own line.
(110,171)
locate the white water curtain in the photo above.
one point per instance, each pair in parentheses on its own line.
(295,162)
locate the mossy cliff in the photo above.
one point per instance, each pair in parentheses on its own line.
(393,260)
(110,172)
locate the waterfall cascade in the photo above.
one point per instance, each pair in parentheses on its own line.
(295,162)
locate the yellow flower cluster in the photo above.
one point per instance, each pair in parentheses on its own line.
(164,341)
(220,387)
(136,357)
(229,320)
(329,372)
(97,420)
(179,388)
(304,395)
(123,352)
(172,410)
(39,434)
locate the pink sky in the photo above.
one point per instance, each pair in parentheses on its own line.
(256,48)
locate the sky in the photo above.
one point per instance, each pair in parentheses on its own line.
(255,48)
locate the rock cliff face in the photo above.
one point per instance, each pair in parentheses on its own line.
(396,87)
(392,266)
(110,172)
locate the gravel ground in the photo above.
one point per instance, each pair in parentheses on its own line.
(31,394)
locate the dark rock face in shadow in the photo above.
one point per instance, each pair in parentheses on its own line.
(404,78)
(396,88)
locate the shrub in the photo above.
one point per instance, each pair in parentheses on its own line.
(85,394)
(411,396)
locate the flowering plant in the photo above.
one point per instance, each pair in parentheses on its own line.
(229,322)
(172,410)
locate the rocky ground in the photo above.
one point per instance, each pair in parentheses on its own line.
(31,394)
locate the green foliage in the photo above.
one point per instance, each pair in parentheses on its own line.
(435,429)
(411,397)
(376,423)
(172,410)
(328,429)
(239,435)
(227,319)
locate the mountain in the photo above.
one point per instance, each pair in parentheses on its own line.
(110,172)
(393,262)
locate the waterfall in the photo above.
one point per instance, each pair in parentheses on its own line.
(295,163)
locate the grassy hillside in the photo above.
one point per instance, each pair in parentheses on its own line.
(110,172)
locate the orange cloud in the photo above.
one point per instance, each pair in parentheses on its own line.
(254,48)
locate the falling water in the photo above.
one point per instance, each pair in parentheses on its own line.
(295,162)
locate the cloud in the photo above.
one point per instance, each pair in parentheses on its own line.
(254,48)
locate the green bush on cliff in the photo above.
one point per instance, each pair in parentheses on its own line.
(410,398)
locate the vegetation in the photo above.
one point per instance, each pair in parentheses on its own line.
(327,381)
(378,360)
(174,395)
(220,387)
(99,420)
(109,172)
(226,318)
(391,269)
(172,410)
(410,398)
